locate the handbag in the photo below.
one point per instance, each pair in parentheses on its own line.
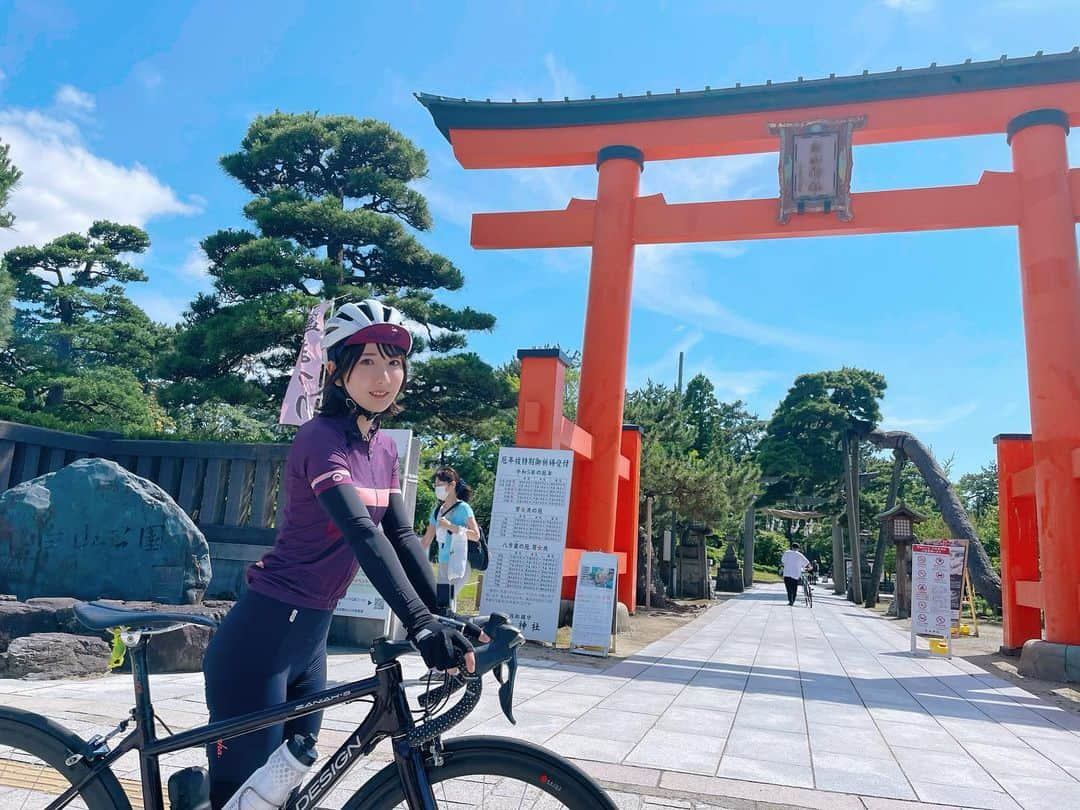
(479,556)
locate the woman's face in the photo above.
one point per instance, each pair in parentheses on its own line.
(443,488)
(375,381)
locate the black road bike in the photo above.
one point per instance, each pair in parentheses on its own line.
(45,766)
(807,591)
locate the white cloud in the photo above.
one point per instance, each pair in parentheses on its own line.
(158,307)
(728,383)
(563,82)
(668,282)
(75,99)
(911,6)
(929,424)
(147,75)
(65,187)
(196,265)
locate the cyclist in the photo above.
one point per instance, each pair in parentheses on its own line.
(344,510)
(794,563)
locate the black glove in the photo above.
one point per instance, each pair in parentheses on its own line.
(441,647)
(470,627)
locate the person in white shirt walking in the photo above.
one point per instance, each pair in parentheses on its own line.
(794,564)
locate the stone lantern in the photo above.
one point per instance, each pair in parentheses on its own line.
(899,524)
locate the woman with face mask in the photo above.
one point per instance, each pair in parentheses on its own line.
(452,526)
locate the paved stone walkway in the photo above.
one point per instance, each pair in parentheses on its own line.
(752,705)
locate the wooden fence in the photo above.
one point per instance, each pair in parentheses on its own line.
(232,491)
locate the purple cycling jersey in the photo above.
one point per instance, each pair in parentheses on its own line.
(310,565)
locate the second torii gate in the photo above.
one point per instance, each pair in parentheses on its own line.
(1032,101)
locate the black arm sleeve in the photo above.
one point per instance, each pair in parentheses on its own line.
(376,554)
(399,530)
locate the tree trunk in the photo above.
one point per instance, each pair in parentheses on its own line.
(879,551)
(851,470)
(987,583)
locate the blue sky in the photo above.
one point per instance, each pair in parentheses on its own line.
(121,110)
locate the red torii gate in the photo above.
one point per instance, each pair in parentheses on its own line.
(1032,100)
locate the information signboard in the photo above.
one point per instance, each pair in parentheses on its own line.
(527,539)
(594,603)
(931,592)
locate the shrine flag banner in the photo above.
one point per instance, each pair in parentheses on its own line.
(303,392)
(527,539)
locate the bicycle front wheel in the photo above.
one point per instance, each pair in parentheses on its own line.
(491,772)
(33,773)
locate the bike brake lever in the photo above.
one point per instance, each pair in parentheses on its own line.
(506,690)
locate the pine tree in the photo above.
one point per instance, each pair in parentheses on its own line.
(81,350)
(334,217)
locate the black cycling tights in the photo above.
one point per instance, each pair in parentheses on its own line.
(264,653)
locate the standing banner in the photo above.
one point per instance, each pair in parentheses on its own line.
(594,603)
(931,591)
(958,551)
(303,391)
(528,538)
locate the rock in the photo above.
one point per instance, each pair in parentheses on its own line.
(18,619)
(176,651)
(47,656)
(180,650)
(1050,661)
(107,533)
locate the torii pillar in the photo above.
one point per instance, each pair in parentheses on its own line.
(1050,282)
(595,493)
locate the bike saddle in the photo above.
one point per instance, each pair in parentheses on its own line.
(100,616)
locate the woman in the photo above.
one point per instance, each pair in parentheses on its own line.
(451,516)
(344,511)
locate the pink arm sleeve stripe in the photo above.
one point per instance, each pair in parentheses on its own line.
(330,479)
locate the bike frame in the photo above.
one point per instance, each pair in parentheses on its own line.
(389,717)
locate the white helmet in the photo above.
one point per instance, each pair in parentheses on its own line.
(370,321)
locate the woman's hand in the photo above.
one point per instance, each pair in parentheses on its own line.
(445,523)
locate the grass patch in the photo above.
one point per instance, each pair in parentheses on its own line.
(763,575)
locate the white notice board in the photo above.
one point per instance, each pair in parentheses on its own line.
(594,603)
(528,538)
(931,590)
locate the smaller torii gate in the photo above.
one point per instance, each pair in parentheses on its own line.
(1032,101)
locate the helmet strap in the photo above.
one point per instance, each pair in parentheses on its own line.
(356,408)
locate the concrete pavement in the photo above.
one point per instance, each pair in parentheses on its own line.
(753,704)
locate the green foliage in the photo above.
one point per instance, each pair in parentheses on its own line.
(979,490)
(768,548)
(9,178)
(766,575)
(712,488)
(801,446)
(80,350)
(334,216)
(455,392)
(222,422)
